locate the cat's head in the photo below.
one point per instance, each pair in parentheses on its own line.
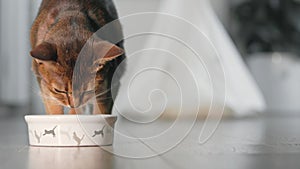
(71,85)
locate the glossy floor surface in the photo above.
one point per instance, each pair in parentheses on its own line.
(258,142)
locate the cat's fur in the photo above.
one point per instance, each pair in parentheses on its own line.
(58,34)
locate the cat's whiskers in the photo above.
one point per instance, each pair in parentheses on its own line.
(105,98)
(45,96)
(34,89)
(37,75)
(102,93)
(36,92)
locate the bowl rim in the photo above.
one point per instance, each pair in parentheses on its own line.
(65,118)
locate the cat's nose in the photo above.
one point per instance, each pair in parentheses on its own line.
(75,101)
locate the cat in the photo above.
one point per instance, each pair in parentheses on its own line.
(77,139)
(59,32)
(100,132)
(50,132)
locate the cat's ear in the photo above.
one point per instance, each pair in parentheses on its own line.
(44,52)
(106,52)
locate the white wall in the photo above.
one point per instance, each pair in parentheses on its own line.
(14,57)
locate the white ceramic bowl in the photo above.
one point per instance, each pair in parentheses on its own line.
(70,130)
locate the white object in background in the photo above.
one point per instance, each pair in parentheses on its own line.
(151,89)
(70,130)
(278,76)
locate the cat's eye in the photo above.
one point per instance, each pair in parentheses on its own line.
(59,91)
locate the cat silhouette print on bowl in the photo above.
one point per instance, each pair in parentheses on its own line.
(70,130)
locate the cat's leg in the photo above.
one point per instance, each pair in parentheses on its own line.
(76,110)
(53,107)
(103,106)
(72,111)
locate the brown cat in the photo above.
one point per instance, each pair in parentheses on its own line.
(58,34)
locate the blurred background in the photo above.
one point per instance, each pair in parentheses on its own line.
(251,67)
(266,34)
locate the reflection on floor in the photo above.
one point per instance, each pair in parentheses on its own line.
(258,142)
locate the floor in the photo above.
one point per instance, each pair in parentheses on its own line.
(258,142)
